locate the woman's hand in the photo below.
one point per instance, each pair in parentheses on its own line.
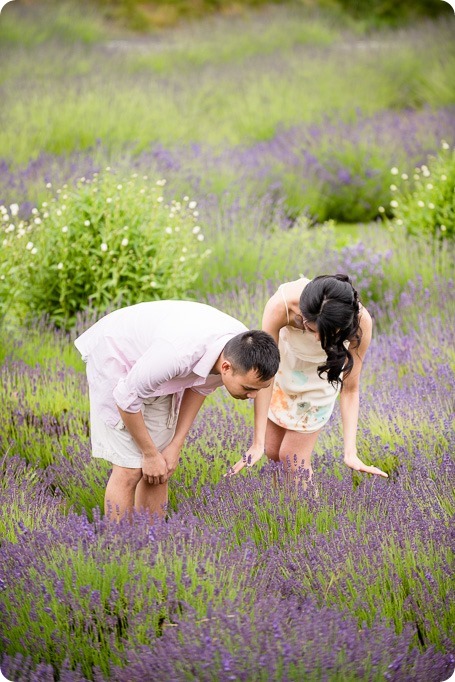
(354,462)
(250,458)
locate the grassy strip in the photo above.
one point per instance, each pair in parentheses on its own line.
(210,100)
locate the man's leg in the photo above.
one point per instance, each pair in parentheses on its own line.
(120,491)
(151,497)
(154,498)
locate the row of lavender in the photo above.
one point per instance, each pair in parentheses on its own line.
(329,170)
(246,580)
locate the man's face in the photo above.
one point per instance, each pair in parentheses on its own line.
(241,386)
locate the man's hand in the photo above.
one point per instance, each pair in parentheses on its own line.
(171,454)
(250,458)
(355,463)
(154,469)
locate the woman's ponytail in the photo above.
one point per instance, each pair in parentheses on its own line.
(332,303)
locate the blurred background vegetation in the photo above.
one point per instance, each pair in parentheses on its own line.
(141,15)
(272,118)
(146,15)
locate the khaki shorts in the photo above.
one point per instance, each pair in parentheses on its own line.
(116,445)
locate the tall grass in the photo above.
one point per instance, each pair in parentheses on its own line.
(32,25)
(316,115)
(209,99)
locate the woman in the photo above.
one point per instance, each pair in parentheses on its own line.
(323,334)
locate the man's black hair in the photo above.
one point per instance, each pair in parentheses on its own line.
(253,350)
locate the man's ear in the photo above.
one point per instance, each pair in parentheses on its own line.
(225,366)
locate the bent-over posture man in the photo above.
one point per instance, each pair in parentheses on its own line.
(149,368)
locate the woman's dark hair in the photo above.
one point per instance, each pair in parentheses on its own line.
(332,303)
(253,350)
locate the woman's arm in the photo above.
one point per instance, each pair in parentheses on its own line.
(349,401)
(273,319)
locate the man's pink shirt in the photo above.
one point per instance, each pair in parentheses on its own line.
(152,349)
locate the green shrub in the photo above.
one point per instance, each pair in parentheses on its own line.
(426,204)
(391,10)
(105,242)
(139,14)
(12,265)
(349,192)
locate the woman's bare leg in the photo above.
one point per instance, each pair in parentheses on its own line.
(273,438)
(292,448)
(120,491)
(296,450)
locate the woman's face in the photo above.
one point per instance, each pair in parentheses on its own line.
(312,328)
(307,326)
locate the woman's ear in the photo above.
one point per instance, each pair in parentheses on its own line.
(298,319)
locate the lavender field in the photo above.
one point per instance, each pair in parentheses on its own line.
(240,153)
(245,580)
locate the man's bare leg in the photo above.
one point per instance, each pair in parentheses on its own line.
(151,497)
(120,491)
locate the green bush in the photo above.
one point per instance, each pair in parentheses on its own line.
(107,241)
(11,264)
(391,10)
(349,193)
(426,204)
(139,14)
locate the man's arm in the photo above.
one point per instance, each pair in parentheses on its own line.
(158,466)
(159,364)
(190,406)
(154,468)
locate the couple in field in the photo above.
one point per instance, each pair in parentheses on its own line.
(150,367)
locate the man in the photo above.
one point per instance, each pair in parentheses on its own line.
(149,368)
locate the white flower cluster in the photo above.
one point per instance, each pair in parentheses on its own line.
(16,230)
(425,171)
(197,232)
(30,247)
